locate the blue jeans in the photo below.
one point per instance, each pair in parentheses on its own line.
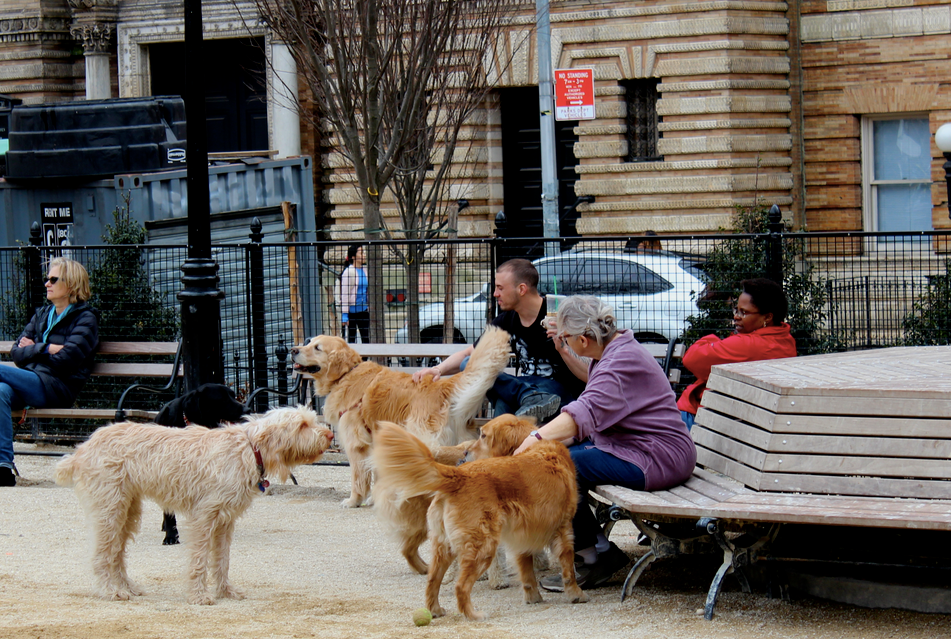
(508,391)
(594,467)
(18,388)
(688,418)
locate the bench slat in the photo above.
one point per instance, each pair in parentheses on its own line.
(407,350)
(122,348)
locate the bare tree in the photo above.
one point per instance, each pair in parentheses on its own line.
(396,80)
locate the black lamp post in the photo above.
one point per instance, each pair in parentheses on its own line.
(942,138)
(200,297)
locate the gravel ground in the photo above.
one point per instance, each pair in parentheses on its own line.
(311,568)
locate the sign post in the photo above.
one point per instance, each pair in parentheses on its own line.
(574,94)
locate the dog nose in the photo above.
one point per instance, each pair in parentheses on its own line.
(295,351)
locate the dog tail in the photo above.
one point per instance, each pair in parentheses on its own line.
(65,471)
(404,465)
(490,358)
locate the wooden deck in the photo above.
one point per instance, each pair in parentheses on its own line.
(869,423)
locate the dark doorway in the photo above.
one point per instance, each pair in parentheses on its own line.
(522,171)
(235,93)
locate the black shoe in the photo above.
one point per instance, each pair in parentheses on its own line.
(7,477)
(541,406)
(591,575)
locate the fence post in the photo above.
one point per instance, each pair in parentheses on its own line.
(281,352)
(34,271)
(258,336)
(774,265)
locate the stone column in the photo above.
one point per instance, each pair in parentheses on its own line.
(96,39)
(285,136)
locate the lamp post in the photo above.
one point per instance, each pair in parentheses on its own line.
(200,297)
(942,138)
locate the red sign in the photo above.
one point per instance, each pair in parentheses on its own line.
(574,94)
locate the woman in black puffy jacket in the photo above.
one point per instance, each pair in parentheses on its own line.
(53,355)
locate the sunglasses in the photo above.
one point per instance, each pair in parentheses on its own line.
(51,280)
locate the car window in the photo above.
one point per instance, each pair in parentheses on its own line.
(603,276)
(607,276)
(558,274)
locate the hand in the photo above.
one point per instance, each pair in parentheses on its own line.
(54,348)
(25,341)
(420,374)
(529,441)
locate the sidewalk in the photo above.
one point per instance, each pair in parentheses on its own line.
(311,568)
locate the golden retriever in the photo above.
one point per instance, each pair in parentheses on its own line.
(360,394)
(406,518)
(526,502)
(207,476)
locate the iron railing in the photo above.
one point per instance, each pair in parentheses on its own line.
(868,290)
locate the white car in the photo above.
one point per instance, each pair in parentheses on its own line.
(652,293)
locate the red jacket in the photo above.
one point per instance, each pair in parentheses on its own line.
(771,342)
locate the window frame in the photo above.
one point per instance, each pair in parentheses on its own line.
(870,216)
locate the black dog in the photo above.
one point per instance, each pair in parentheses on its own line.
(209,405)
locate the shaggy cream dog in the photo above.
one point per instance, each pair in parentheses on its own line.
(526,502)
(207,476)
(360,394)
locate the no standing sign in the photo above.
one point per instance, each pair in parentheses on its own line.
(574,94)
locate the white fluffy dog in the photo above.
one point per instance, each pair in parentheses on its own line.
(207,476)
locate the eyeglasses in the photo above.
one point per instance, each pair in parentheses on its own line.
(51,280)
(739,312)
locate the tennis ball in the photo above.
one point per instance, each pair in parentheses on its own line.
(422,617)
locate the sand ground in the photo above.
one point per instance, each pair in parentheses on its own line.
(311,568)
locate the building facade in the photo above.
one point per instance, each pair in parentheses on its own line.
(825,107)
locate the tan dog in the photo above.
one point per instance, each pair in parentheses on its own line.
(360,394)
(501,436)
(526,502)
(406,518)
(209,477)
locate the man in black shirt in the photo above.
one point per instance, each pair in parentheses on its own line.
(546,379)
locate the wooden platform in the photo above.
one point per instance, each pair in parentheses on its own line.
(868,423)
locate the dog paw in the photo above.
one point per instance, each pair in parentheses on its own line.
(498,582)
(201,599)
(532,596)
(477,615)
(437,611)
(230,592)
(352,502)
(120,595)
(580,598)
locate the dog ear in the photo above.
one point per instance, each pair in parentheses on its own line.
(342,361)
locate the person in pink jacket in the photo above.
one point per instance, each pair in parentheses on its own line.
(761,333)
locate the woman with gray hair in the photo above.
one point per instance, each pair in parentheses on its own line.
(624,429)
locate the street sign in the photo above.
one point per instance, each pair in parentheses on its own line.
(57,224)
(574,94)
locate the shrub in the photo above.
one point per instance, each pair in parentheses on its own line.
(929,323)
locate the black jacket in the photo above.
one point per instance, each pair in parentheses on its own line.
(63,374)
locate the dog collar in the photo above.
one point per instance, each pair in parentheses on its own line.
(263,484)
(355,406)
(185,419)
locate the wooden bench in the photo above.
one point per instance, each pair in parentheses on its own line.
(849,439)
(112,360)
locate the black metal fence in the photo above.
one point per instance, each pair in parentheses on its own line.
(847,291)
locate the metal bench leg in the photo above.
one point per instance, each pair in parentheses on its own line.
(635,573)
(725,569)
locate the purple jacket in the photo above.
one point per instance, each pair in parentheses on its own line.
(629,410)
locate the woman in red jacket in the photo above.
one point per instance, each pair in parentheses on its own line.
(761,333)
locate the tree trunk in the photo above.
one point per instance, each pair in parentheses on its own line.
(373,225)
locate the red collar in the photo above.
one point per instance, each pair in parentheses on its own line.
(355,406)
(185,419)
(263,484)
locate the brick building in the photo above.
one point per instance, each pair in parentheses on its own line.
(825,107)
